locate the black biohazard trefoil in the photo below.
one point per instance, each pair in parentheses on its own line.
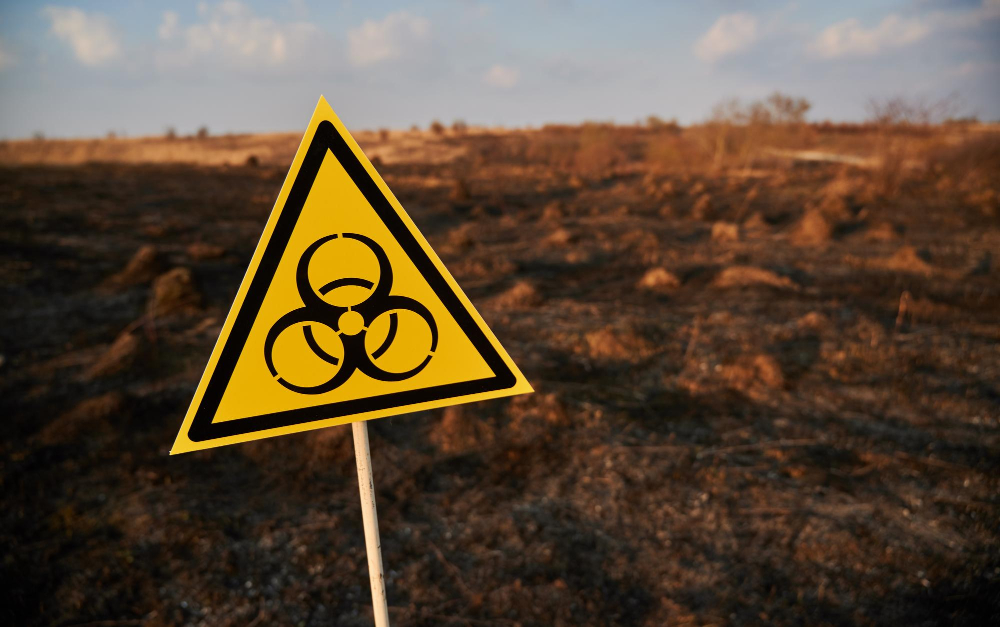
(315,310)
(327,142)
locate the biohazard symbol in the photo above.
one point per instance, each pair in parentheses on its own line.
(349,322)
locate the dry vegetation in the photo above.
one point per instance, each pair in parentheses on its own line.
(767,384)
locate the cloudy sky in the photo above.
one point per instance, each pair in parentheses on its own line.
(83,68)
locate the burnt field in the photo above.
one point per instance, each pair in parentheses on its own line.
(766,392)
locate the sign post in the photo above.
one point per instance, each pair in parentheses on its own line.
(345,314)
(366,483)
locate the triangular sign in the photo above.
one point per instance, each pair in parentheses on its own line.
(345,313)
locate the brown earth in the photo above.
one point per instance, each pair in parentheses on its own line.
(759,429)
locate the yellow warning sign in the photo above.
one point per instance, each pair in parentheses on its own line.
(345,313)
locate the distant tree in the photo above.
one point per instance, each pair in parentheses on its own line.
(112,135)
(383,134)
(170,133)
(901,111)
(777,108)
(459,127)
(786,109)
(657,123)
(437,128)
(38,136)
(202,133)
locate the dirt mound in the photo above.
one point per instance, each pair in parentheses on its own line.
(756,222)
(458,432)
(174,292)
(751,373)
(144,265)
(84,420)
(837,196)
(659,280)
(202,251)
(725,232)
(751,276)
(813,229)
(908,259)
(522,294)
(561,237)
(881,231)
(617,345)
(123,353)
(553,212)
(813,321)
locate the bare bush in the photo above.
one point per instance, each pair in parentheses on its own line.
(896,121)
(737,131)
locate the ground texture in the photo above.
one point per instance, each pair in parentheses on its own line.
(771,396)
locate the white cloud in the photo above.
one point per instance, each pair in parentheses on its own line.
(398,33)
(231,34)
(731,33)
(6,56)
(974,68)
(850,38)
(168,27)
(91,35)
(502,76)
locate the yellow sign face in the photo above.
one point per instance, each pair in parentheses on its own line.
(345,313)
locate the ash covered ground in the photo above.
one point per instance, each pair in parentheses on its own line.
(765,394)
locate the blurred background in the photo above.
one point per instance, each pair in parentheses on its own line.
(746,253)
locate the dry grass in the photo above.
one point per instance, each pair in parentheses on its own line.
(767,390)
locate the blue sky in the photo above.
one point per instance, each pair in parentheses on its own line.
(83,68)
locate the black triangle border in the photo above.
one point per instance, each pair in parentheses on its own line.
(326,139)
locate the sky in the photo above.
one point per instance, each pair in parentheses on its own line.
(86,68)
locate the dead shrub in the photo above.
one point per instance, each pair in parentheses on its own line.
(174,292)
(702,208)
(123,353)
(144,265)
